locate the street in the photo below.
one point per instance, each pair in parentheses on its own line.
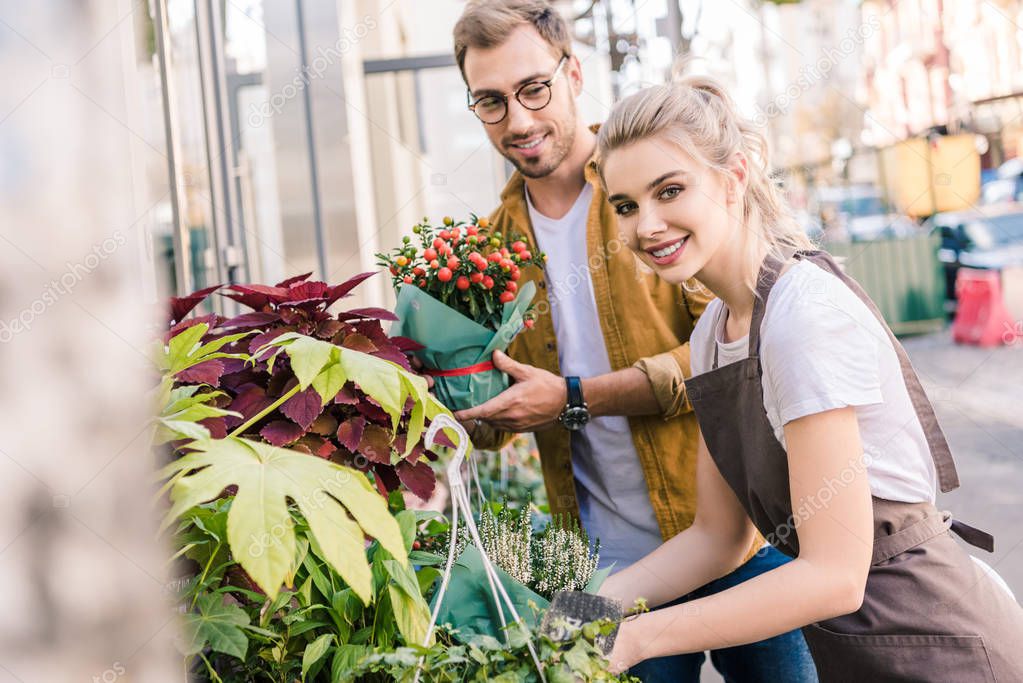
(978,396)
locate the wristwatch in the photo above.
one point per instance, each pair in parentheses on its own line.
(575,415)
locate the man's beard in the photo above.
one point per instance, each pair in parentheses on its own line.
(543,167)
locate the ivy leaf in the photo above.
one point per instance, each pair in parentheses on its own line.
(260,529)
(217,625)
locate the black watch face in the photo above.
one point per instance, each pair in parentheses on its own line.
(575,418)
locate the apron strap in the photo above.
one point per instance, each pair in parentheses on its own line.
(766,278)
(887,547)
(944,465)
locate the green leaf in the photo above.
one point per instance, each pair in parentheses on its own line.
(217,625)
(314,652)
(260,530)
(579,660)
(346,658)
(410,615)
(329,382)
(308,356)
(403,576)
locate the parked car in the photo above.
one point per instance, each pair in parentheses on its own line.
(991,238)
(859,213)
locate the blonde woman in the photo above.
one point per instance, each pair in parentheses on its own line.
(815,428)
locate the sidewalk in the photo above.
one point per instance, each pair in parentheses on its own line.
(978,396)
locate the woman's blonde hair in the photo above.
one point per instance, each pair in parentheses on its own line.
(697,114)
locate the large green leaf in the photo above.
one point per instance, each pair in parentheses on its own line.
(217,625)
(260,530)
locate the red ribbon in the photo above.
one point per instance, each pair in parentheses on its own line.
(458,372)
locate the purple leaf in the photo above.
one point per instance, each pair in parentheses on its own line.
(443,440)
(249,320)
(182,306)
(291,280)
(210,320)
(395,357)
(406,344)
(350,433)
(301,292)
(303,407)
(328,328)
(281,432)
(418,478)
(347,395)
(373,412)
(324,425)
(358,342)
(206,372)
(386,478)
(368,312)
(375,444)
(216,425)
(348,285)
(251,399)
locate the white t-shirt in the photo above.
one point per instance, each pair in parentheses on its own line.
(821,348)
(614,502)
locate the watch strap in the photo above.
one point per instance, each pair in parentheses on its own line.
(575,391)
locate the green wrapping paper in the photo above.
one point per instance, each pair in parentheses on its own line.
(470,606)
(453,341)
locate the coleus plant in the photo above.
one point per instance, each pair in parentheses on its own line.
(259,396)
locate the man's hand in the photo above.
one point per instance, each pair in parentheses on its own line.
(533,402)
(417,365)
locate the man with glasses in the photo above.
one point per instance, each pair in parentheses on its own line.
(600,379)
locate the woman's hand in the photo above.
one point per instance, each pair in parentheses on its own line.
(625,653)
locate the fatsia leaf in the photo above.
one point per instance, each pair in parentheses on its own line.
(260,529)
(329,382)
(217,625)
(308,356)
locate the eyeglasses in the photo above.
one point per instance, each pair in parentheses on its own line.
(535,95)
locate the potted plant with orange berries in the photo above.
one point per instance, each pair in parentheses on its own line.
(459,296)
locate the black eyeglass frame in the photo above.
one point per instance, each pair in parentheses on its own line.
(549,83)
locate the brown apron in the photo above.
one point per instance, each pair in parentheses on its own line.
(929,612)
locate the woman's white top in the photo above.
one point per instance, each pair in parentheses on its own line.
(821,348)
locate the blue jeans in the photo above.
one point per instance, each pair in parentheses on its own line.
(781,658)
